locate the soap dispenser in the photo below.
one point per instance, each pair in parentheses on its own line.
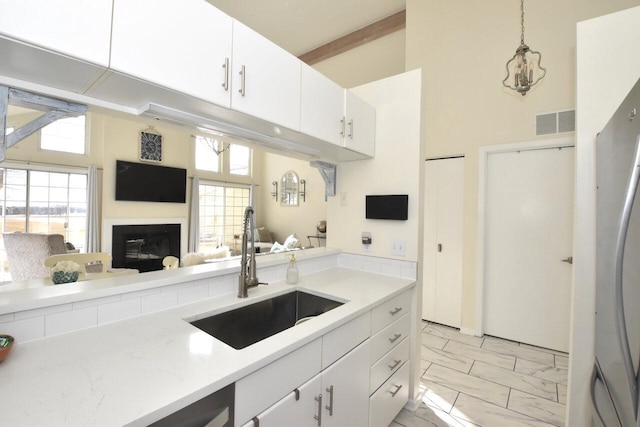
(292,271)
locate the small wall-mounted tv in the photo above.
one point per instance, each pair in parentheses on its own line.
(150,183)
(394,206)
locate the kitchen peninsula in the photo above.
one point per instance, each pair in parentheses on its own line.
(102,375)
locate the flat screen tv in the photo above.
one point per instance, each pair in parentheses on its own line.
(394,206)
(150,183)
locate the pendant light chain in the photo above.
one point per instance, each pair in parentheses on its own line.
(522,21)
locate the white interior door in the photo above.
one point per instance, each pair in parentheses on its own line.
(442,263)
(529,231)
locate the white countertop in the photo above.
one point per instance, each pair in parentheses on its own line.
(138,370)
(39,293)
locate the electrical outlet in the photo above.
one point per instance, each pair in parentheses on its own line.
(398,247)
(366,241)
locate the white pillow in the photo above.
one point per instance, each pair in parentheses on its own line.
(291,242)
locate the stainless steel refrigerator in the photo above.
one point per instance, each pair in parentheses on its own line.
(615,379)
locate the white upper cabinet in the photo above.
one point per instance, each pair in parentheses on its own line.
(266,79)
(360,125)
(181,45)
(321,107)
(77,28)
(63,44)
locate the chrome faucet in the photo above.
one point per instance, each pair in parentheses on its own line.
(248,278)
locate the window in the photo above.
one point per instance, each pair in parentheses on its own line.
(66,135)
(221,215)
(239,160)
(39,201)
(207,157)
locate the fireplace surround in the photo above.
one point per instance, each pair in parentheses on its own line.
(143,246)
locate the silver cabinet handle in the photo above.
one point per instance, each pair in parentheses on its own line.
(568,260)
(351,128)
(318,417)
(330,405)
(342,124)
(395,311)
(225,84)
(243,75)
(395,338)
(396,362)
(393,393)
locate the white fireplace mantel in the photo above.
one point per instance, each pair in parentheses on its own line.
(107,227)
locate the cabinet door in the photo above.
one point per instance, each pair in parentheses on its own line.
(183,46)
(321,107)
(295,409)
(345,388)
(360,125)
(442,277)
(266,79)
(78,28)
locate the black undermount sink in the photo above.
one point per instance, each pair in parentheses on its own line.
(247,325)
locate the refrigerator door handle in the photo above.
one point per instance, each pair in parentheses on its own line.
(596,375)
(620,244)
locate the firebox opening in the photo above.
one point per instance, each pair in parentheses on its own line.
(143,247)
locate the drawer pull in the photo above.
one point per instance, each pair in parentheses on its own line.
(330,405)
(395,364)
(318,417)
(393,393)
(395,338)
(395,311)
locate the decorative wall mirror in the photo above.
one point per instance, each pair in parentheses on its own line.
(289,189)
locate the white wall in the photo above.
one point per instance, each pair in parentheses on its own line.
(605,73)
(396,169)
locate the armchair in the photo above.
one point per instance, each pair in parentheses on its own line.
(26,253)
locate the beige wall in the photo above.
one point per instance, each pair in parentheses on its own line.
(302,219)
(373,61)
(462,48)
(115,137)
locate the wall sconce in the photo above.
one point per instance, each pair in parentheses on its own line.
(274,191)
(303,193)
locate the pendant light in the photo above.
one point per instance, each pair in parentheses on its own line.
(523,69)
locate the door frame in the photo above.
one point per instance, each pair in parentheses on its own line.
(483,159)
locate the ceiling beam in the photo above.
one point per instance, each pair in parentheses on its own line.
(371,32)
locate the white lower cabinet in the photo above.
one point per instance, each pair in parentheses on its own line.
(334,397)
(356,375)
(390,398)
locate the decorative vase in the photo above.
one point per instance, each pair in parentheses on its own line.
(59,277)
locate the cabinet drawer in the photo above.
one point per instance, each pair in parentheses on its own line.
(389,337)
(264,387)
(388,364)
(389,400)
(389,311)
(338,342)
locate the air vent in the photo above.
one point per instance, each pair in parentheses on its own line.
(556,122)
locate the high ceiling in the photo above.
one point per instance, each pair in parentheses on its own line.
(302,25)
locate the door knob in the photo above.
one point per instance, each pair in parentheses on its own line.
(568,260)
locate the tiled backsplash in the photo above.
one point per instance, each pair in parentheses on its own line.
(31,325)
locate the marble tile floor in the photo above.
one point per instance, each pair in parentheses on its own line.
(489,382)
